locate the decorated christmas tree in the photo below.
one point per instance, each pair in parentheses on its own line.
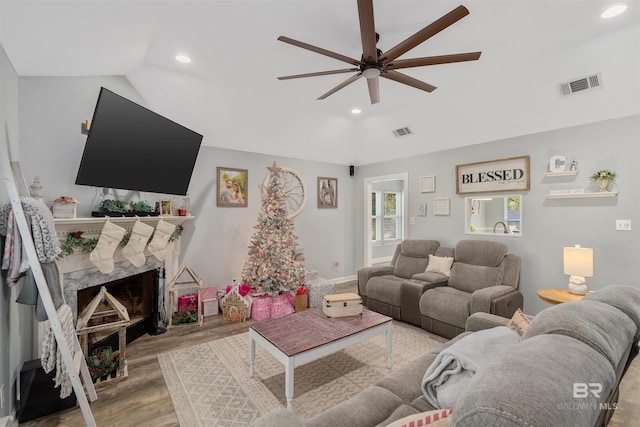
(275,260)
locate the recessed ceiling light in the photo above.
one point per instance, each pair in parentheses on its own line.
(614,11)
(356,111)
(183,58)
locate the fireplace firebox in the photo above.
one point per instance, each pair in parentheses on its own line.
(138,294)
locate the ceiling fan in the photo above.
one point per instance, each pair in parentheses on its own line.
(375,63)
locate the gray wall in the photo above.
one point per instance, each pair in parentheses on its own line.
(15,319)
(215,244)
(548,225)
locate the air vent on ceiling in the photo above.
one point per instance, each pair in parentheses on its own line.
(589,82)
(405,131)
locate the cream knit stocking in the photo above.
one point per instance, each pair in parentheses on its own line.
(158,244)
(102,255)
(134,250)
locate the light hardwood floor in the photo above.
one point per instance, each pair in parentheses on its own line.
(143,398)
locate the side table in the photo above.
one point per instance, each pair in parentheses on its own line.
(557,296)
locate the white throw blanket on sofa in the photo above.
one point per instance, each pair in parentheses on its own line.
(452,369)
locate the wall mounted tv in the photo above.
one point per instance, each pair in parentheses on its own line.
(132,148)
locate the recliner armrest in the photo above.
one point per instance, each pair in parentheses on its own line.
(366,273)
(482,298)
(481,320)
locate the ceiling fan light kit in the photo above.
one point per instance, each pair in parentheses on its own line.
(374,63)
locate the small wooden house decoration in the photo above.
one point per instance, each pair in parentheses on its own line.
(105,313)
(236,307)
(176,288)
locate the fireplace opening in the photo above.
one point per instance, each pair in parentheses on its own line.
(138,294)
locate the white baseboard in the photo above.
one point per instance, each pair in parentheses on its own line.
(344,279)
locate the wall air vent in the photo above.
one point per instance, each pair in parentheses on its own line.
(585,83)
(405,131)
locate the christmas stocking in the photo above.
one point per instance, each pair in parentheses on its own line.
(102,255)
(158,244)
(134,250)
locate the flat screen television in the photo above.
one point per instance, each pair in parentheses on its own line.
(132,148)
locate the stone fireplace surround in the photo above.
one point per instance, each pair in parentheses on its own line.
(78,272)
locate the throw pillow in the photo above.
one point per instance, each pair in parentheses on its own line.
(437,418)
(440,264)
(519,323)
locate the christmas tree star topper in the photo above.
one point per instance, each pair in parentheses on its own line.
(275,169)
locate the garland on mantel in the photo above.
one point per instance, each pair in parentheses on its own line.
(75,241)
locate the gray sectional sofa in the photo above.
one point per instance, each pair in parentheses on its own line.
(483,277)
(527,383)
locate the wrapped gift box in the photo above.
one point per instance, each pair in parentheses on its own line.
(283,304)
(318,288)
(261,307)
(209,296)
(188,301)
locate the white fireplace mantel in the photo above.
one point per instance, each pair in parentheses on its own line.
(92,226)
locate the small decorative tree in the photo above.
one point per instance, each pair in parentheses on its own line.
(275,260)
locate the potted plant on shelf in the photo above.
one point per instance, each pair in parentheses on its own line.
(602,178)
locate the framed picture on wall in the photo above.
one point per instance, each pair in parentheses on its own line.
(327,192)
(427,184)
(231,191)
(441,206)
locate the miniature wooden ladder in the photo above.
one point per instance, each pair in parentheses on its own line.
(74,362)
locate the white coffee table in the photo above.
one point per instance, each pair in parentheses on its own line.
(308,335)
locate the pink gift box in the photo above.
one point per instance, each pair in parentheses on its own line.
(283,304)
(261,307)
(188,301)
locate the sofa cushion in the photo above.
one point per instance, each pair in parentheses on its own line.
(413,257)
(469,278)
(370,407)
(480,252)
(623,297)
(385,289)
(439,264)
(418,248)
(532,385)
(447,305)
(602,327)
(406,266)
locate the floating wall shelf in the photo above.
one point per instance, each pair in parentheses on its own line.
(565,173)
(583,195)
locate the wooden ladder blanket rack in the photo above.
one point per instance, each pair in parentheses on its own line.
(72,358)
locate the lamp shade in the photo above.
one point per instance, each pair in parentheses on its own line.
(578,261)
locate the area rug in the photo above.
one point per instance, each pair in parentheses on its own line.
(209,383)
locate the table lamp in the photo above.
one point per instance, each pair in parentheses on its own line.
(578,264)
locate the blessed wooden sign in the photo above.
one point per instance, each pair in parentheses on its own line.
(510,174)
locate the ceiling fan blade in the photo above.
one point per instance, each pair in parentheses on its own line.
(433,60)
(403,78)
(321,51)
(341,85)
(319,73)
(429,31)
(374,90)
(367,31)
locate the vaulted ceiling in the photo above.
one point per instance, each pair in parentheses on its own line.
(230,94)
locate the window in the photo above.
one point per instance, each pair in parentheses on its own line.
(386,216)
